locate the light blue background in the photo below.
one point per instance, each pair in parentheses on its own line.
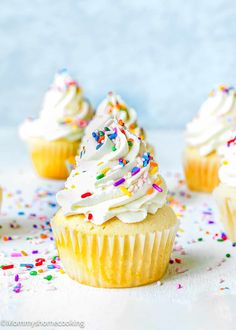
(163,57)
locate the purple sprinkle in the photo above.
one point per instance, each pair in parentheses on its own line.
(135,170)
(35,251)
(16,277)
(211,222)
(120,181)
(157,187)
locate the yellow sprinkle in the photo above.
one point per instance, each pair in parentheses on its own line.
(68,119)
(61,271)
(72,186)
(99,163)
(125,191)
(40,270)
(24,253)
(105,170)
(181,230)
(225,162)
(153,170)
(222,87)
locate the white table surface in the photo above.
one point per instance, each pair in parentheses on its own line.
(206,299)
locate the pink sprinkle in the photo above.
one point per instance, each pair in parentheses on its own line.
(157,187)
(179,286)
(120,181)
(16,254)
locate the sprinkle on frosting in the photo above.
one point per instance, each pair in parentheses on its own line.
(217,115)
(65,112)
(118,172)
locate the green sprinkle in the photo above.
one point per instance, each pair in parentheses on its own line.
(54,257)
(130,143)
(113,148)
(107,129)
(220,240)
(200,239)
(33,273)
(101,133)
(228,255)
(48,278)
(100,176)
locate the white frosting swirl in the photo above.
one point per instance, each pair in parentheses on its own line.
(216,116)
(227,171)
(114,107)
(115,176)
(65,112)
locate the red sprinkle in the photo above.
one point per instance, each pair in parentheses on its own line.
(39,260)
(87,194)
(90,216)
(178,261)
(7,267)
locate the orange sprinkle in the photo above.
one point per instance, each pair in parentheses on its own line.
(150,191)
(158,182)
(40,271)
(43,236)
(121,123)
(153,164)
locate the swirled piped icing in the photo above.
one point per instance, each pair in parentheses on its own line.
(217,115)
(65,112)
(227,171)
(114,107)
(114,176)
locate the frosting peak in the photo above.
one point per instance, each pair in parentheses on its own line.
(114,107)
(114,176)
(216,116)
(65,112)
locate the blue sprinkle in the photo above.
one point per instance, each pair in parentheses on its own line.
(50,266)
(98,146)
(112,136)
(21,213)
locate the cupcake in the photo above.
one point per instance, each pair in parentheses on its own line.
(204,135)
(114,228)
(225,193)
(56,135)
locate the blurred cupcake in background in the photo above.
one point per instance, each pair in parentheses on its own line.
(225,193)
(56,135)
(113,107)
(204,136)
(114,228)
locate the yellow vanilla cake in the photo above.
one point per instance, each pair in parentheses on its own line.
(225,193)
(114,228)
(205,135)
(56,135)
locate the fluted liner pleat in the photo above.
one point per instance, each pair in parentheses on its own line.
(201,172)
(49,157)
(226,201)
(114,260)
